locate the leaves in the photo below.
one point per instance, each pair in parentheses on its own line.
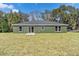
(68,15)
(7,19)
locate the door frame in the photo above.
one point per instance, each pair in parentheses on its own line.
(31,29)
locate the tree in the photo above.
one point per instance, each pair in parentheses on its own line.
(67,14)
(4,25)
(12,18)
(3,22)
(46,15)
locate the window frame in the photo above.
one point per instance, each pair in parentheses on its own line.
(57,28)
(20,28)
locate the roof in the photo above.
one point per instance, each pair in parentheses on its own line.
(39,23)
(35,20)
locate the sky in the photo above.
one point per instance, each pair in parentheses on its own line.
(29,7)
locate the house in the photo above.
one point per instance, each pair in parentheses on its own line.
(37,25)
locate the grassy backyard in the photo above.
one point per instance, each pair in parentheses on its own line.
(39,44)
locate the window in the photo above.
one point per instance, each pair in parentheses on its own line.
(56,28)
(32,29)
(59,28)
(20,28)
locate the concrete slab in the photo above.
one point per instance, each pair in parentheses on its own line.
(30,34)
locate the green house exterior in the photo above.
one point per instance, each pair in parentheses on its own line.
(37,24)
(39,27)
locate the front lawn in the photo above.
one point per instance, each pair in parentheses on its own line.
(39,44)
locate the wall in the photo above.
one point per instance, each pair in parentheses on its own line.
(24,29)
(64,29)
(44,29)
(40,29)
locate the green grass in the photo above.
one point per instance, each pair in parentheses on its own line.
(39,44)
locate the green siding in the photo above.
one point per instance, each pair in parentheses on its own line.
(15,29)
(39,29)
(24,29)
(63,29)
(44,29)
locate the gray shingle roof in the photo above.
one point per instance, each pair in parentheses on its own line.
(39,23)
(34,17)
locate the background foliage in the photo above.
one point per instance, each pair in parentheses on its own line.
(66,14)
